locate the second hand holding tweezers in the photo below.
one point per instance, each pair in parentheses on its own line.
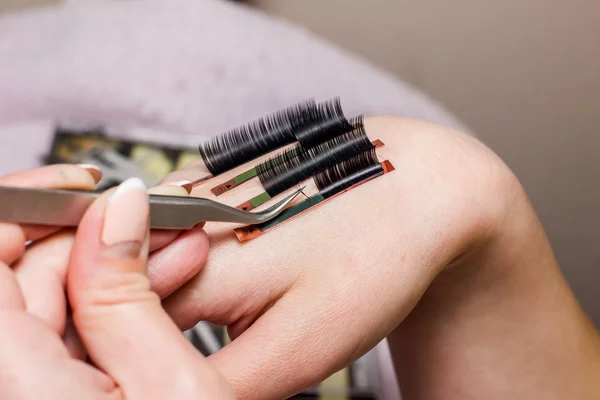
(67,208)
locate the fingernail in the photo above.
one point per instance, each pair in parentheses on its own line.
(126,217)
(93,170)
(187,185)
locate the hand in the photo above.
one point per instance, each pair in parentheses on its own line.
(138,351)
(308,298)
(453,223)
(41,268)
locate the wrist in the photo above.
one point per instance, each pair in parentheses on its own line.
(499,308)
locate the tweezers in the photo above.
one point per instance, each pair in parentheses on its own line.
(67,207)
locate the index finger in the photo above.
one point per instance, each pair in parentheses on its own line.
(61,176)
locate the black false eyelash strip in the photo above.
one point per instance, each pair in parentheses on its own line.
(253,172)
(299,163)
(356,123)
(308,123)
(348,173)
(247,142)
(329,123)
(333,187)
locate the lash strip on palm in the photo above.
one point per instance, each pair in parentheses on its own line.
(331,182)
(348,173)
(308,123)
(298,164)
(334,126)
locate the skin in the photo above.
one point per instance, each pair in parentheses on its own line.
(41,268)
(117,318)
(445,256)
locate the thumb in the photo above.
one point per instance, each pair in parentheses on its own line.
(120,320)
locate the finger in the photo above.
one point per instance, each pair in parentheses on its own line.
(257,361)
(178,188)
(293,340)
(14,237)
(171,267)
(73,342)
(19,331)
(63,176)
(13,242)
(120,320)
(11,297)
(41,274)
(34,363)
(161,238)
(37,232)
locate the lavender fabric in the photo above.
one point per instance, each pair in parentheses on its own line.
(174,71)
(188,69)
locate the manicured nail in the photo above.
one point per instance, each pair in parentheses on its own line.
(93,170)
(187,185)
(126,220)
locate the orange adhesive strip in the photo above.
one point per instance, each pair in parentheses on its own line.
(387,166)
(201,180)
(378,143)
(223,188)
(248,233)
(247,206)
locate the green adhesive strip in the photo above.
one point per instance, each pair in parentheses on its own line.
(260,199)
(246,176)
(291,212)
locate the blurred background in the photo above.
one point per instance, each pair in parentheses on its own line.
(523,75)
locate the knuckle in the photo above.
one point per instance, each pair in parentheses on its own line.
(115,289)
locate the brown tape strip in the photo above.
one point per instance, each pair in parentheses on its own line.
(200,181)
(247,206)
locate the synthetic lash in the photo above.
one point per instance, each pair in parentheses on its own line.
(348,181)
(308,123)
(356,123)
(329,123)
(299,163)
(249,141)
(252,173)
(348,173)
